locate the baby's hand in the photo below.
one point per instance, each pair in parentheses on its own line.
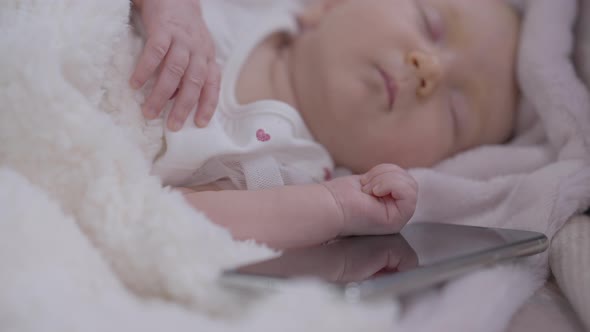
(179,46)
(379,202)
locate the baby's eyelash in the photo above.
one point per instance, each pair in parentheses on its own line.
(431,22)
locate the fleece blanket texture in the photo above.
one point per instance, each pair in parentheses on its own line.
(570,248)
(89,241)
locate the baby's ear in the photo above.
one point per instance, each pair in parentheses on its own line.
(313,13)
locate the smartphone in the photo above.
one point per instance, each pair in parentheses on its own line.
(367,267)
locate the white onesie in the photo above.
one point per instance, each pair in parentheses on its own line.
(253,146)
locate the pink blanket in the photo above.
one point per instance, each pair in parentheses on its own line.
(537,182)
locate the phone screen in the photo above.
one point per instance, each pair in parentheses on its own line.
(357,259)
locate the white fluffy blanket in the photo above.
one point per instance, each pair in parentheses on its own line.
(90,242)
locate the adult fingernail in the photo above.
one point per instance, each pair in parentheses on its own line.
(176,125)
(150,113)
(135,84)
(174,94)
(201,123)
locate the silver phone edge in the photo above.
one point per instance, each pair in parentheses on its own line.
(404,283)
(401,283)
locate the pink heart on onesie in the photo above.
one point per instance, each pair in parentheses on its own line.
(262,136)
(327,174)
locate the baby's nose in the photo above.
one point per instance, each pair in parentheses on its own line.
(428,70)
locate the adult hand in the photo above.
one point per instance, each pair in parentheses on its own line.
(179,48)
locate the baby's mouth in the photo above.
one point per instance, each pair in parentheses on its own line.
(390,87)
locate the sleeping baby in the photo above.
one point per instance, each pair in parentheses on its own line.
(372,86)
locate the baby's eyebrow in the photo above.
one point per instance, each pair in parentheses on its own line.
(452,19)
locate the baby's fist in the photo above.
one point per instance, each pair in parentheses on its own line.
(379,202)
(397,187)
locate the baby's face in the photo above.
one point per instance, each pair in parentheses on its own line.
(409,82)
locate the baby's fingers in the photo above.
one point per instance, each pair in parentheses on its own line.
(399,189)
(398,185)
(154,52)
(380,170)
(400,194)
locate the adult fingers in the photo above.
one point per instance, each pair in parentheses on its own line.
(190,92)
(172,71)
(209,95)
(154,52)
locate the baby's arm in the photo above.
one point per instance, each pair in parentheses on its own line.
(378,202)
(281,217)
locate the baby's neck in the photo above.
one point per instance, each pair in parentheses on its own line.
(266,74)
